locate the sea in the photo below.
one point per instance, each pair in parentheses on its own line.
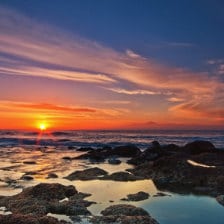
(96,139)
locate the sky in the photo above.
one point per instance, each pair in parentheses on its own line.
(115,64)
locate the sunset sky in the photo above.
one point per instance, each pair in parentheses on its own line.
(119,64)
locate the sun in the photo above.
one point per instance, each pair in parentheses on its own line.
(42,126)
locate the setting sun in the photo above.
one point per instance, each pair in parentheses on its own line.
(42,126)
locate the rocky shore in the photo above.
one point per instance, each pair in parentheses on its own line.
(197,167)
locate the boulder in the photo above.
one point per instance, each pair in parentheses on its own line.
(198,147)
(88,174)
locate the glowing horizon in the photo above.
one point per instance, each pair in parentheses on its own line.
(53,74)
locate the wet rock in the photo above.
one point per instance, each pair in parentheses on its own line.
(29,162)
(71,147)
(198,147)
(52,176)
(114,161)
(122,209)
(161,194)
(121,176)
(220,199)
(28,219)
(124,214)
(85,149)
(88,174)
(27,178)
(140,196)
(47,198)
(126,151)
(67,158)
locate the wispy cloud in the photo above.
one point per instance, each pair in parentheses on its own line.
(31,49)
(134,92)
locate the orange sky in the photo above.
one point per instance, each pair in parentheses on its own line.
(70,82)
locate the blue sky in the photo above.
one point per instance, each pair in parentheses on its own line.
(136,63)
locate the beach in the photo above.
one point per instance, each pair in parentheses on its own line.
(170,183)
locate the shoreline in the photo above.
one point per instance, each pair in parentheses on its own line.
(124,167)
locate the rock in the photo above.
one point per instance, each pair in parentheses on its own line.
(88,174)
(124,214)
(140,196)
(122,209)
(198,147)
(29,219)
(114,161)
(70,147)
(126,151)
(26,177)
(52,175)
(220,199)
(121,176)
(29,162)
(161,194)
(85,149)
(67,158)
(47,198)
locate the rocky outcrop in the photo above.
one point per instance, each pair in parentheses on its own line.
(124,214)
(99,155)
(29,219)
(220,199)
(121,176)
(140,196)
(88,174)
(198,147)
(45,198)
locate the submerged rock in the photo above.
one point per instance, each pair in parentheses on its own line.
(140,196)
(88,174)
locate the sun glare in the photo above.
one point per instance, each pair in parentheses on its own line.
(42,126)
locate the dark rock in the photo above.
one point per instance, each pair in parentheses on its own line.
(198,147)
(47,198)
(121,176)
(52,175)
(160,194)
(123,220)
(85,149)
(220,199)
(122,209)
(67,158)
(140,196)
(114,161)
(88,174)
(26,177)
(126,151)
(29,162)
(71,147)
(29,219)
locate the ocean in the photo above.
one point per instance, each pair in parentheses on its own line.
(95,139)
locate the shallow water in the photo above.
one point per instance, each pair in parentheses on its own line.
(183,209)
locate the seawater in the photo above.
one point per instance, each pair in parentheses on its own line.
(141,138)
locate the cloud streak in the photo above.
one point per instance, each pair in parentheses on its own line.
(28,48)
